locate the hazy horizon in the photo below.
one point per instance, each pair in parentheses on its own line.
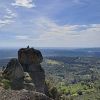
(50,47)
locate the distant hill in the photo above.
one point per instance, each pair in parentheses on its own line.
(84,52)
(91,52)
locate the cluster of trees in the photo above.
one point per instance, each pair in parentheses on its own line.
(74,80)
(62,91)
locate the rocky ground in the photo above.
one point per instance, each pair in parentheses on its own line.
(8,94)
(21,95)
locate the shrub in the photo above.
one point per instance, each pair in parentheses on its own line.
(79,92)
(6,83)
(53,92)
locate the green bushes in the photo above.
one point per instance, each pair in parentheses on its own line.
(53,92)
(6,84)
(61,91)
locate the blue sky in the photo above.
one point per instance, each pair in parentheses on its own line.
(50,23)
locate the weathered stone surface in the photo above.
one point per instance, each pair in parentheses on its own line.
(27,77)
(22,95)
(15,73)
(26,72)
(28,56)
(28,84)
(13,70)
(30,60)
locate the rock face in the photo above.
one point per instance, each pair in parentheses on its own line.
(26,72)
(28,84)
(29,56)
(30,60)
(15,73)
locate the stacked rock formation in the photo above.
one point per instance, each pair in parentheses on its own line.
(29,62)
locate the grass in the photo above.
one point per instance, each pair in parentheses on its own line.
(53,62)
(74,89)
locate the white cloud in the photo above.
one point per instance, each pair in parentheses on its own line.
(5,22)
(10,14)
(24,3)
(53,34)
(45,32)
(22,37)
(7,18)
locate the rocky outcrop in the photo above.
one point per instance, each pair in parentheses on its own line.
(30,60)
(14,70)
(15,73)
(22,95)
(26,72)
(18,78)
(29,56)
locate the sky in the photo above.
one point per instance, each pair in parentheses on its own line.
(50,23)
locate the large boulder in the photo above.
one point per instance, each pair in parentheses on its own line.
(29,56)
(19,79)
(14,70)
(30,60)
(15,73)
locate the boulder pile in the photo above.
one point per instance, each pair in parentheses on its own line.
(26,71)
